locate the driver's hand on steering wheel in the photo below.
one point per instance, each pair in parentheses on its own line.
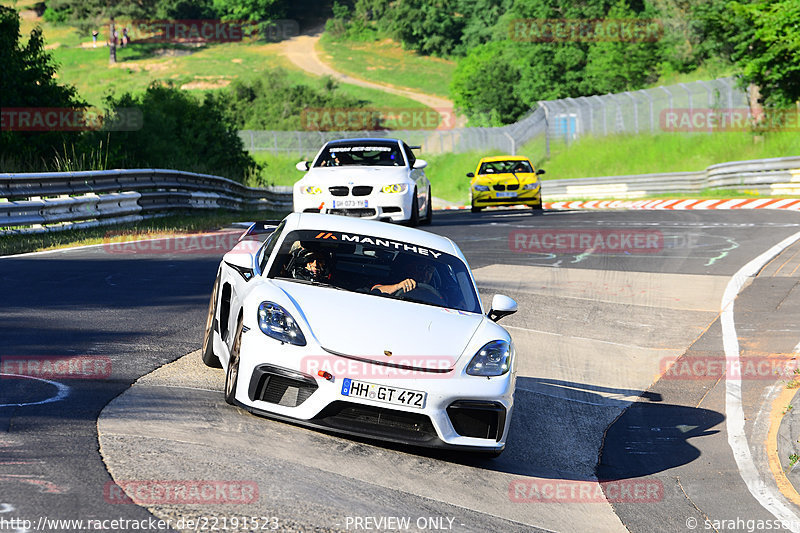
(407,285)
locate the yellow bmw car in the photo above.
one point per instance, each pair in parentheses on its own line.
(505,180)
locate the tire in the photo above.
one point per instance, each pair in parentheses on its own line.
(537,209)
(207,350)
(232,373)
(475,209)
(413,219)
(429,214)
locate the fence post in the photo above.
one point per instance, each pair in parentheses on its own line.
(635,112)
(543,105)
(650,102)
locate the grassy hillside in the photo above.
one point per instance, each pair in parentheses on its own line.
(386,61)
(193,68)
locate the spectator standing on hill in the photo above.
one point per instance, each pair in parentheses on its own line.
(95,33)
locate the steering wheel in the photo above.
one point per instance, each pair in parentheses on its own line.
(424,287)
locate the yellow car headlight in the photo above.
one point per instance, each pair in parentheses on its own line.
(481,187)
(395,188)
(311,189)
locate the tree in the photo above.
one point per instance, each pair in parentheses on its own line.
(28,81)
(770,56)
(480,86)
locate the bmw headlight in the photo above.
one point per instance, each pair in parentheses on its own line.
(276,322)
(494,359)
(395,188)
(531,186)
(310,189)
(481,187)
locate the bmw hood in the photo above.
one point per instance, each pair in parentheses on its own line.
(358,175)
(368,326)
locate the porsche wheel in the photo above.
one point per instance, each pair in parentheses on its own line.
(232,374)
(209,357)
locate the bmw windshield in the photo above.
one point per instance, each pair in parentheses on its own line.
(376,266)
(361,153)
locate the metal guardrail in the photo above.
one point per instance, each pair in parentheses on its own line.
(777,176)
(31,203)
(52,201)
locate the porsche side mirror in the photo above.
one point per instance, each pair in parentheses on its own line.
(302,165)
(420,163)
(502,306)
(242,258)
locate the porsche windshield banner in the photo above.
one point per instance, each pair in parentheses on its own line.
(375,241)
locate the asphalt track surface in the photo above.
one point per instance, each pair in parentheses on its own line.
(596,329)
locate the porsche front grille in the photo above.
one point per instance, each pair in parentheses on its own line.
(378,421)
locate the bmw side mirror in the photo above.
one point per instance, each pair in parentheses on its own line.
(502,306)
(470,175)
(302,165)
(540,171)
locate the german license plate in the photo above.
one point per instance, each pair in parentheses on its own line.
(507,194)
(382,393)
(349,203)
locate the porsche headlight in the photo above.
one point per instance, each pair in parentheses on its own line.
(494,359)
(395,188)
(310,189)
(531,186)
(277,323)
(481,187)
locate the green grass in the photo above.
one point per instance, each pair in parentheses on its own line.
(386,61)
(164,226)
(280,169)
(646,154)
(198,69)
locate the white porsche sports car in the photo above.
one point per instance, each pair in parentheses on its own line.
(378,179)
(362,328)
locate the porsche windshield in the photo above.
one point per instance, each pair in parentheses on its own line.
(367,153)
(376,266)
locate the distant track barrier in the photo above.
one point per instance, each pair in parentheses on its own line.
(53,201)
(768,177)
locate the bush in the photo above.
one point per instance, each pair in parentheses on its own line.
(179,132)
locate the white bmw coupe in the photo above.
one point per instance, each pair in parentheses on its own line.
(378,179)
(362,328)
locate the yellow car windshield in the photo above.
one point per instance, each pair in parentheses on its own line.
(501,167)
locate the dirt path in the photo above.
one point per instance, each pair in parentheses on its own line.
(301,51)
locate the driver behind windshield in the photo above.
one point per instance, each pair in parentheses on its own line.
(309,264)
(414,271)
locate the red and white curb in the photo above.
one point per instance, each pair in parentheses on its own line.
(674,204)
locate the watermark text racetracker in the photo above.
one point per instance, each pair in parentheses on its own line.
(369,119)
(573,491)
(191,243)
(586,30)
(176,492)
(571,241)
(211,31)
(713,367)
(682,120)
(392,366)
(70,119)
(56,367)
